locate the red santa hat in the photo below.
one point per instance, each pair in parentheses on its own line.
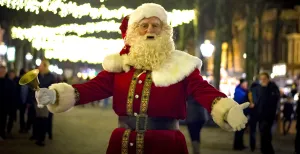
(148,10)
(123,28)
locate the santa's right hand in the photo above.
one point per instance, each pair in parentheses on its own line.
(45,96)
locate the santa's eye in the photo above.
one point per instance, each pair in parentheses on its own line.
(144,25)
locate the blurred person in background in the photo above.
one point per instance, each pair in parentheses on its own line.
(294,89)
(31,112)
(197,116)
(43,118)
(46,78)
(26,105)
(40,124)
(12,104)
(268,98)
(288,111)
(253,115)
(23,101)
(240,96)
(7,94)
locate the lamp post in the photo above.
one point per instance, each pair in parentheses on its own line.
(207,50)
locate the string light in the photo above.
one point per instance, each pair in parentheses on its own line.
(89,28)
(73,48)
(62,8)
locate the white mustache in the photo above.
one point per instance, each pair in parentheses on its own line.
(150,37)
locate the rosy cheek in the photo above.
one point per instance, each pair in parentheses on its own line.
(142,32)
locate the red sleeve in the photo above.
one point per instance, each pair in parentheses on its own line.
(201,90)
(98,88)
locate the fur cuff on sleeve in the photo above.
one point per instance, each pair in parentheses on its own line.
(219,111)
(66,98)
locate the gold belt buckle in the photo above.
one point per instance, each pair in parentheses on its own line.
(141,123)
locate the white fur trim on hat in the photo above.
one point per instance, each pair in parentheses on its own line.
(148,10)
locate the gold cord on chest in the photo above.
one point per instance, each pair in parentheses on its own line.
(142,114)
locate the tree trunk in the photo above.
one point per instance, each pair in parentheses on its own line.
(250,60)
(259,42)
(276,35)
(196,27)
(20,54)
(228,16)
(218,43)
(181,37)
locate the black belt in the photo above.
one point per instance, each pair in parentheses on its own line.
(147,123)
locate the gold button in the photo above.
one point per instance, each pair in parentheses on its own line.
(136,96)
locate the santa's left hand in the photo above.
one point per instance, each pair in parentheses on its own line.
(236,118)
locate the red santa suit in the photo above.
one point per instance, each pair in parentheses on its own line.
(159,94)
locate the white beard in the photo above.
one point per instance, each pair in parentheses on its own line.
(149,54)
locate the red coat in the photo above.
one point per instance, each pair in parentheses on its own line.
(166,100)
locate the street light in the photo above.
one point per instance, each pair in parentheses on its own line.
(3,49)
(28,56)
(207,48)
(38,62)
(11,52)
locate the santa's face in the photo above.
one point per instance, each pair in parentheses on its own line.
(151,43)
(150,26)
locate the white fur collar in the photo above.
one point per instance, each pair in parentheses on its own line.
(179,66)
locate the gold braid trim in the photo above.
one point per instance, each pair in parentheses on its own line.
(125,140)
(215,101)
(77,96)
(143,111)
(146,94)
(57,96)
(130,97)
(129,110)
(140,143)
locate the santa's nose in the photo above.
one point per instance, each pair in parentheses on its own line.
(150,29)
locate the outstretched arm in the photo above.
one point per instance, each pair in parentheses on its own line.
(69,95)
(202,91)
(222,109)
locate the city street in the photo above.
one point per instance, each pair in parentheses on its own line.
(154,55)
(87,131)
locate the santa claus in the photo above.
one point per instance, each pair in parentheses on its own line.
(150,82)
